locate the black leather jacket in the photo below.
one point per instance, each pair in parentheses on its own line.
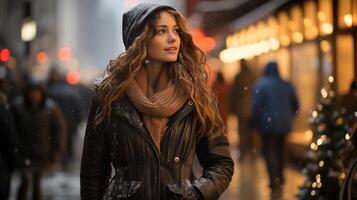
(141,172)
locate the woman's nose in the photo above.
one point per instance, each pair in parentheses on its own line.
(172,36)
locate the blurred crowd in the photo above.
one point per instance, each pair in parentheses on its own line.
(38,121)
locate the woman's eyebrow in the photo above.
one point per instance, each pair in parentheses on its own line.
(165,26)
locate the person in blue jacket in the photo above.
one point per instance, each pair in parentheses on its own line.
(274,106)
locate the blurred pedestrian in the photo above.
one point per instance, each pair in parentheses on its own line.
(152,113)
(67,97)
(348,103)
(221,89)
(240,105)
(274,106)
(41,129)
(9,147)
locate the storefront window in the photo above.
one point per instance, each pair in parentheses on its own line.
(345,62)
(236,42)
(273,27)
(310,20)
(243,37)
(296,24)
(230,40)
(305,78)
(252,34)
(326,62)
(284,32)
(262,33)
(325,17)
(354,12)
(345,19)
(283,58)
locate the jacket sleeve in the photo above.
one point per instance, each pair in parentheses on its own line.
(257,104)
(214,155)
(95,165)
(59,133)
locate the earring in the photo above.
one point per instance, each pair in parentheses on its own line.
(146,61)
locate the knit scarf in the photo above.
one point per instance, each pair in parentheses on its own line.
(156,102)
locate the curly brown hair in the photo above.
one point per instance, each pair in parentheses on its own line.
(190,73)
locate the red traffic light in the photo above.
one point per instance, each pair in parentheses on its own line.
(4,55)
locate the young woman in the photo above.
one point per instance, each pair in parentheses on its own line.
(152,113)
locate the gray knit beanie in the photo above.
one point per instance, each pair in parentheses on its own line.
(135,19)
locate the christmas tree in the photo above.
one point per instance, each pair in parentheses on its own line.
(325,169)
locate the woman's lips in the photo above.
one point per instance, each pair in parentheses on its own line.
(171,49)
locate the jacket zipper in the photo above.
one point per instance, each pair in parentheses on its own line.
(176,120)
(143,132)
(186,110)
(157,153)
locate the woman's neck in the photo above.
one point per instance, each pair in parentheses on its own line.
(153,70)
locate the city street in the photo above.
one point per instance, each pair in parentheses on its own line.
(250,181)
(158,79)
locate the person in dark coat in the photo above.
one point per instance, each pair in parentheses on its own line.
(240,105)
(274,106)
(9,146)
(67,98)
(152,113)
(41,131)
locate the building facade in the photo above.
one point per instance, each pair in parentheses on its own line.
(313,41)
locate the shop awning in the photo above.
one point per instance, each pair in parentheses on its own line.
(226,16)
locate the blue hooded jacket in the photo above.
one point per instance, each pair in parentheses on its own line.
(274,103)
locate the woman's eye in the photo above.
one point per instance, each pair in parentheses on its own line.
(160,31)
(176,30)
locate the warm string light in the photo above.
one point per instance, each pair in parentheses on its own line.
(319,185)
(324,93)
(313,185)
(235,53)
(321,163)
(330,79)
(314,114)
(314,147)
(313,193)
(348,19)
(347,136)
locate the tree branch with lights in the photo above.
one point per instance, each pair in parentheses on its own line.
(326,167)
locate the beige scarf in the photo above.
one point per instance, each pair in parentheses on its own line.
(157,102)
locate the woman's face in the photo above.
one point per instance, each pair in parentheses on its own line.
(165,44)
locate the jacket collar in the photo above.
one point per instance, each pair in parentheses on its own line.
(126,109)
